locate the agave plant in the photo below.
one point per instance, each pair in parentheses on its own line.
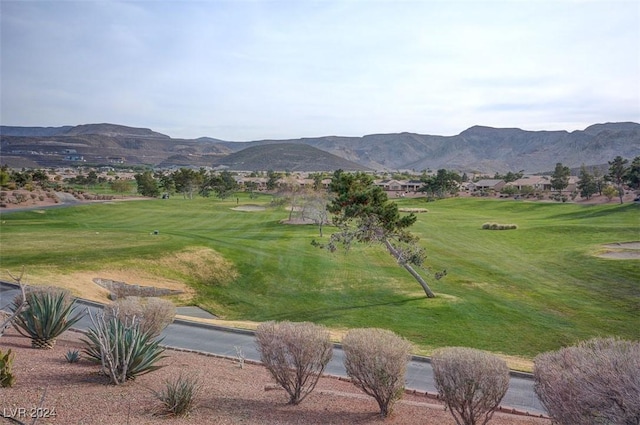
(48,314)
(123,349)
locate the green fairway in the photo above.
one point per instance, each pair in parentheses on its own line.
(517,292)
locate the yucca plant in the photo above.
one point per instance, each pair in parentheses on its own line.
(122,348)
(72,356)
(47,315)
(179,396)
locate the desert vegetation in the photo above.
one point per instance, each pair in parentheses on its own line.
(594,382)
(376,362)
(471,382)
(295,354)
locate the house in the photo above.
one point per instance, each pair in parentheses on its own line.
(487,185)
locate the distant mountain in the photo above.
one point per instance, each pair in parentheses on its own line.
(477,149)
(286,156)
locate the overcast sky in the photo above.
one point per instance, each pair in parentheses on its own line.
(248,70)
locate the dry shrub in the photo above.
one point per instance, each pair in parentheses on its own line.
(595,382)
(376,361)
(154,314)
(471,382)
(295,354)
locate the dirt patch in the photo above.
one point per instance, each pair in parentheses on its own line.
(249,208)
(621,251)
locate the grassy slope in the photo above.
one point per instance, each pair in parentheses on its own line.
(517,292)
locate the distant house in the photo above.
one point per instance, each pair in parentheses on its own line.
(74,158)
(389,185)
(486,185)
(542,183)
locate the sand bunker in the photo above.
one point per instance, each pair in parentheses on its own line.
(621,251)
(249,208)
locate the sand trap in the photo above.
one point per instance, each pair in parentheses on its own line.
(621,251)
(249,208)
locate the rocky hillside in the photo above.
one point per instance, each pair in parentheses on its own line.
(478,148)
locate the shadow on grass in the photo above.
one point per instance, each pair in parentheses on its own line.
(320,314)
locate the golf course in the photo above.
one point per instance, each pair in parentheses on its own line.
(518,292)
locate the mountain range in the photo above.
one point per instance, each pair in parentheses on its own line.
(477,149)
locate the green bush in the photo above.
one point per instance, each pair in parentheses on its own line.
(178,397)
(47,315)
(122,348)
(6,363)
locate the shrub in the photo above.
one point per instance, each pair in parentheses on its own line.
(6,364)
(295,354)
(471,382)
(595,382)
(178,396)
(154,314)
(47,315)
(123,349)
(497,226)
(72,356)
(376,361)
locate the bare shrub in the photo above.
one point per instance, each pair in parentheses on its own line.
(471,382)
(295,354)
(595,382)
(154,314)
(376,361)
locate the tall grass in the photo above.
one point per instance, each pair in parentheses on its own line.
(521,292)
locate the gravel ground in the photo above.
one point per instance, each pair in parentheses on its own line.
(78,394)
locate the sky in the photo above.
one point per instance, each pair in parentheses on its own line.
(242,70)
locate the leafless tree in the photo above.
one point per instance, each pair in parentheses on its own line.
(595,382)
(295,354)
(376,361)
(471,382)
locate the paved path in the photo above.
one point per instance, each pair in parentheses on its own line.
(225,342)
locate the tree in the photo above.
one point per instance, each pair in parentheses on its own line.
(442,184)
(560,177)
(594,382)
(186,181)
(121,186)
(251,187)
(295,354)
(272,180)
(471,382)
(617,174)
(586,184)
(363,213)
(633,174)
(147,184)
(167,184)
(376,361)
(224,184)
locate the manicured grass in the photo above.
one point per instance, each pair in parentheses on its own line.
(518,292)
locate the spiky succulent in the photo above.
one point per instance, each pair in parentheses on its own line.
(47,315)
